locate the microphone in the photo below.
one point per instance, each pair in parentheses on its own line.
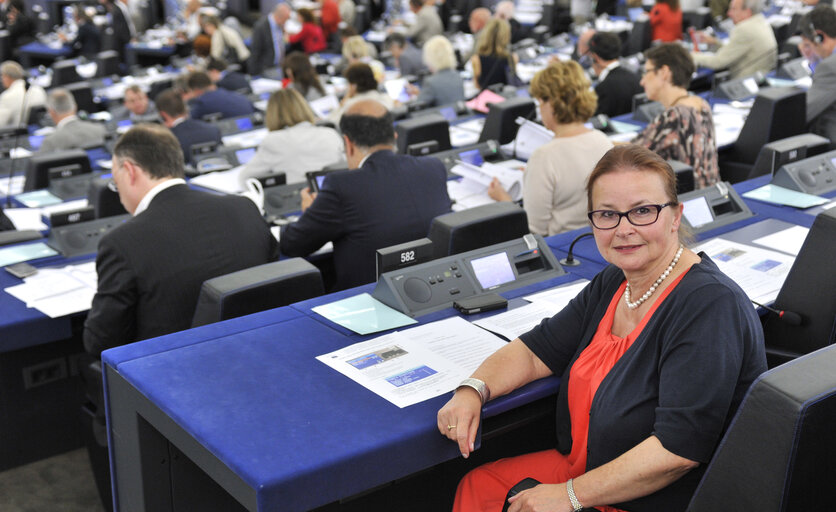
(23,113)
(570,260)
(790,317)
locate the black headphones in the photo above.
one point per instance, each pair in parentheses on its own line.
(817,37)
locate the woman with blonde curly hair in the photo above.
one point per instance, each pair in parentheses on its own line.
(556,173)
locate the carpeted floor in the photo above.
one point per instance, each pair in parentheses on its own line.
(63,483)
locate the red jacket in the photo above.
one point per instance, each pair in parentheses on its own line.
(667,24)
(311,37)
(330,17)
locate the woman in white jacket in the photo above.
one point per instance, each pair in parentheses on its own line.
(294,145)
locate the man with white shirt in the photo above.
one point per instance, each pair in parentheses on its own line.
(751,47)
(12,103)
(70,131)
(151,267)
(616,85)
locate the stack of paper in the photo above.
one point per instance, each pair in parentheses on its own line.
(476,179)
(530,136)
(514,322)
(59,291)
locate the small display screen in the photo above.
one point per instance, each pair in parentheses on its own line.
(107,82)
(319,179)
(125,123)
(396,89)
(244,124)
(449,113)
(245,155)
(697,212)
(472,157)
(493,270)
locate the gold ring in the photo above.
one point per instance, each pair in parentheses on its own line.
(450,427)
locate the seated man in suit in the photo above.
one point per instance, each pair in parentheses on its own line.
(616,85)
(206,98)
(151,267)
(70,131)
(818,44)
(225,79)
(188,131)
(408,58)
(136,106)
(385,199)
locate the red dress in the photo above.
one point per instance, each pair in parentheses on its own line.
(311,37)
(485,487)
(666,23)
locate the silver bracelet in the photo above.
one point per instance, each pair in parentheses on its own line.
(570,489)
(479,386)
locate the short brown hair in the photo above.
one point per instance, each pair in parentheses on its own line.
(636,158)
(306,15)
(171,103)
(362,76)
(676,58)
(286,107)
(564,86)
(152,147)
(198,81)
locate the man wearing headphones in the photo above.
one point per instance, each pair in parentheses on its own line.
(818,44)
(616,84)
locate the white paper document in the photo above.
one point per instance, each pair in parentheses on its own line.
(245,139)
(222,181)
(514,322)
(410,366)
(530,136)
(58,292)
(511,179)
(760,272)
(26,218)
(787,240)
(560,295)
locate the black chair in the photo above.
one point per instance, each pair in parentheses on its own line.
(779,453)
(777,153)
(639,39)
(431,127)
(64,72)
(808,292)
(501,123)
(108,63)
(684,176)
(83,94)
(490,224)
(777,113)
(104,201)
(257,289)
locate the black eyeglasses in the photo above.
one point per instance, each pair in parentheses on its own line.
(643,215)
(646,71)
(111,185)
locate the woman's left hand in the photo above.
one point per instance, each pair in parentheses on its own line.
(541,498)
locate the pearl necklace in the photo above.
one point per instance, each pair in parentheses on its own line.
(648,293)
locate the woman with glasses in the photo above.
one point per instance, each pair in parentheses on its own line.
(556,172)
(684,131)
(655,356)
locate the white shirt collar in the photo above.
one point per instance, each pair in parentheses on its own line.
(143,204)
(606,71)
(64,121)
(178,121)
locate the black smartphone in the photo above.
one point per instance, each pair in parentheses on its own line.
(481,303)
(21,270)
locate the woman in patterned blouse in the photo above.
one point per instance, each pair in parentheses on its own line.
(685,130)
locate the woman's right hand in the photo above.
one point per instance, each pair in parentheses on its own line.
(459,419)
(497,191)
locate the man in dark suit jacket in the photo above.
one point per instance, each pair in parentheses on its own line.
(225,79)
(267,36)
(151,268)
(121,23)
(188,131)
(386,199)
(206,98)
(616,85)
